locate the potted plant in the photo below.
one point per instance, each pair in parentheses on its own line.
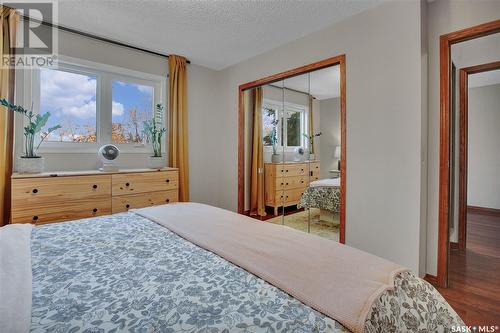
(310,139)
(154,133)
(30,162)
(272,137)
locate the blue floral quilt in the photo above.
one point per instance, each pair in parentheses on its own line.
(124,273)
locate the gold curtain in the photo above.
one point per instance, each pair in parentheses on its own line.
(311,121)
(8,22)
(177,122)
(257,170)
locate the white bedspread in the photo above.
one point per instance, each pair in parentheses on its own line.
(15,278)
(335,182)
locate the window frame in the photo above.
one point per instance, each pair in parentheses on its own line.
(105,75)
(281,108)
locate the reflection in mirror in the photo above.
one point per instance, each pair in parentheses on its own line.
(474,157)
(292,152)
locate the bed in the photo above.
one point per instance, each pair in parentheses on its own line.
(325,195)
(192,268)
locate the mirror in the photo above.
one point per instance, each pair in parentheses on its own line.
(292,173)
(474,159)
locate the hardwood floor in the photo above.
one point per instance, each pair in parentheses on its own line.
(474,274)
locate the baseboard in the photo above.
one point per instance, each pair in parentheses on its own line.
(432,279)
(483,210)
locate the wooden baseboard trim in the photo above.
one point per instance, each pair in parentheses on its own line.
(483,210)
(432,279)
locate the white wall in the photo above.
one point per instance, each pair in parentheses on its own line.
(384,88)
(330,128)
(444,16)
(483,188)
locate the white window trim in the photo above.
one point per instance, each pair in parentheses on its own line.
(281,107)
(105,74)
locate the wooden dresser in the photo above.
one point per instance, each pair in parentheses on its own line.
(62,196)
(285,182)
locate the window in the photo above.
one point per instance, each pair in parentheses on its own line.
(270,126)
(294,128)
(132,106)
(289,129)
(95,104)
(71,100)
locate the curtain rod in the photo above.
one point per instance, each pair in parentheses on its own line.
(102,39)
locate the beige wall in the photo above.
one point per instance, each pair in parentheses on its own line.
(483,187)
(384,103)
(444,16)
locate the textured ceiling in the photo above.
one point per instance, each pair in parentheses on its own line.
(212,33)
(322,84)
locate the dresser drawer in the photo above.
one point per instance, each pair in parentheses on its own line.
(286,183)
(123,203)
(291,170)
(39,191)
(314,166)
(131,183)
(314,176)
(289,196)
(51,211)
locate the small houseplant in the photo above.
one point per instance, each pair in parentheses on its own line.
(154,132)
(30,162)
(310,139)
(272,137)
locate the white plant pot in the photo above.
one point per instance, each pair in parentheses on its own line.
(30,165)
(156,162)
(312,157)
(276,158)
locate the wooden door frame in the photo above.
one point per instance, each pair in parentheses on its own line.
(333,61)
(464,137)
(445,43)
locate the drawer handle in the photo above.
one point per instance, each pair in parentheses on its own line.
(281,197)
(35,218)
(287,196)
(286,184)
(302,170)
(286,170)
(168,200)
(94,210)
(127,206)
(127,184)
(94,186)
(168,180)
(35,190)
(302,181)
(281,184)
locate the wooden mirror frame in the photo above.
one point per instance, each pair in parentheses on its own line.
(337,60)
(445,43)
